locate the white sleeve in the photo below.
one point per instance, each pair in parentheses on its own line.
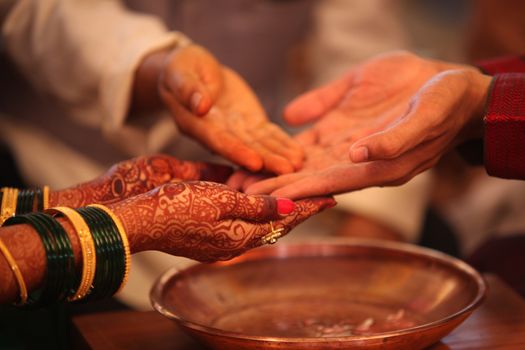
(85,53)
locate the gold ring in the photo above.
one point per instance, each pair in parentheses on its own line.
(273,235)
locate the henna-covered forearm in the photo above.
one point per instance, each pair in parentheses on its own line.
(136,176)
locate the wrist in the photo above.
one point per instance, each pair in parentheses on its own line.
(478,94)
(145,95)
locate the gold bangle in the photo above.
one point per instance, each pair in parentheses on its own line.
(87,245)
(16,272)
(45,197)
(125,242)
(9,200)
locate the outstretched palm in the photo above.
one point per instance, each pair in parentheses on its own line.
(369,99)
(365,100)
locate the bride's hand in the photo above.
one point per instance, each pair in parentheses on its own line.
(208,221)
(135,176)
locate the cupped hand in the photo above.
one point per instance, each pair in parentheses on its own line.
(237,128)
(444,112)
(136,176)
(214,105)
(208,221)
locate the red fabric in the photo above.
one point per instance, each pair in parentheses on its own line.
(505,127)
(509,64)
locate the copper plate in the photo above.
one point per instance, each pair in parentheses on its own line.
(336,295)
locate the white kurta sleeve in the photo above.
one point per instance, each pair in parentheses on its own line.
(84,53)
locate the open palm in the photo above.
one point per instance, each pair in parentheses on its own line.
(366,99)
(373,97)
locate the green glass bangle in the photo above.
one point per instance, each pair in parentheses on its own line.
(113,251)
(119,262)
(39,197)
(117,249)
(60,271)
(108,252)
(25,202)
(66,266)
(100,252)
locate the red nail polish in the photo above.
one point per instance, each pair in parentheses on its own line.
(285,206)
(330,204)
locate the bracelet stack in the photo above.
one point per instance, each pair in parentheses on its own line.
(105,255)
(16,202)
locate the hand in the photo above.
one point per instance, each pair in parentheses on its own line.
(232,122)
(136,176)
(444,112)
(366,99)
(208,221)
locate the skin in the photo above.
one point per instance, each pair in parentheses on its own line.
(375,128)
(201,220)
(136,176)
(212,104)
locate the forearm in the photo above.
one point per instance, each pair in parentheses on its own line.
(27,249)
(145,95)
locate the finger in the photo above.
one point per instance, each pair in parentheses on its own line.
(195,78)
(242,179)
(234,149)
(271,184)
(258,208)
(278,142)
(410,131)
(304,209)
(253,179)
(222,143)
(272,161)
(308,137)
(314,104)
(237,179)
(214,172)
(189,91)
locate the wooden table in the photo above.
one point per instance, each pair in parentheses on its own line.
(499,324)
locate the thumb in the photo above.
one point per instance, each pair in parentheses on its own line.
(194,76)
(314,104)
(405,134)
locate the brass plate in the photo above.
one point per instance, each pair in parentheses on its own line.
(338,295)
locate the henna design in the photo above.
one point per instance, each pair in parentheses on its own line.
(200,220)
(137,176)
(205,221)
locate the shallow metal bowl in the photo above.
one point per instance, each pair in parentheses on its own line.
(352,295)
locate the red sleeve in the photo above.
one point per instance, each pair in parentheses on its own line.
(505,127)
(508,64)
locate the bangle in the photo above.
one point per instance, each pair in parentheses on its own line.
(26,201)
(124,240)
(16,272)
(45,198)
(59,256)
(109,253)
(9,199)
(87,245)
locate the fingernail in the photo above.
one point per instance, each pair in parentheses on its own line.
(285,206)
(195,101)
(360,154)
(331,204)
